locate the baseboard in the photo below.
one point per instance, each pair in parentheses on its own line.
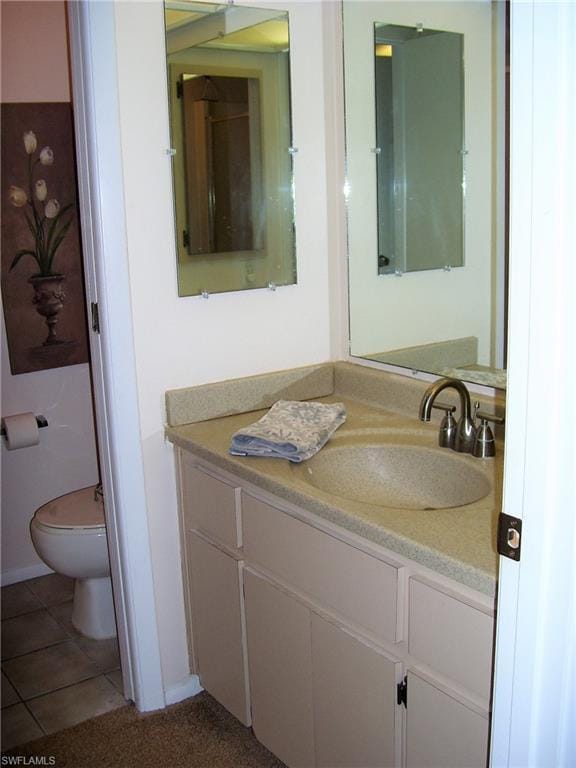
(23,574)
(185,690)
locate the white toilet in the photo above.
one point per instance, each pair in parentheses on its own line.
(69,534)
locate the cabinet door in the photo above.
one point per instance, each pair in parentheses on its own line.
(441,732)
(354,700)
(279,660)
(217,625)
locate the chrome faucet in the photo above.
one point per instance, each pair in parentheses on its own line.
(465,435)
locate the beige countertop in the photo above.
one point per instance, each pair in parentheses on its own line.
(459,542)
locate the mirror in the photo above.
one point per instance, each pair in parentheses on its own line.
(425,152)
(229,80)
(419,148)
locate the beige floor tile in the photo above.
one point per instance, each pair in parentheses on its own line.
(9,695)
(52,589)
(18,726)
(30,632)
(115,678)
(63,615)
(104,653)
(49,669)
(17,599)
(74,704)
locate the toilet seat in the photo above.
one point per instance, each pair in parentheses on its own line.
(75,511)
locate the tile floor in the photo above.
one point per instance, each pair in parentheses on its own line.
(52,677)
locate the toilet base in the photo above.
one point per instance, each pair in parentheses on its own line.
(93,608)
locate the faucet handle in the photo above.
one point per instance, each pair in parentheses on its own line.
(448,426)
(484,416)
(444,407)
(484,446)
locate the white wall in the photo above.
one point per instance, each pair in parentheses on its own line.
(386,312)
(65,458)
(186,341)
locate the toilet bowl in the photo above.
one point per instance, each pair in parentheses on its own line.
(69,534)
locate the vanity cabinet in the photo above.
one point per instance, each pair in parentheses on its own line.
(309,634)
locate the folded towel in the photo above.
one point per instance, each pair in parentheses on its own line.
(290,430)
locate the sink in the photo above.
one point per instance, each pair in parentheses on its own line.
(399,476)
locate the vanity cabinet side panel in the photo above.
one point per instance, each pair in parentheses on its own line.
(452,637)
(442,732)
(354,700)
(218,627)
(185,561)
(211,505)
(280,664)
(361,588)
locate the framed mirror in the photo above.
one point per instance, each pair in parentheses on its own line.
(426,178)
(229,79)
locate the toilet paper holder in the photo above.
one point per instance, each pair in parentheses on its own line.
(42,422)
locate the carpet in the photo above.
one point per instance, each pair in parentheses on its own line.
(196,733)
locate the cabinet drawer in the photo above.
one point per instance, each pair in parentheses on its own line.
(452,637)
(210,505)
(361,588)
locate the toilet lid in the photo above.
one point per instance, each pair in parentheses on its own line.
(78,509)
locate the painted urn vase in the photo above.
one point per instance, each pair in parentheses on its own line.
(49,299)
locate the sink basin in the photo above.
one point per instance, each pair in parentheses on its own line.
(399,476)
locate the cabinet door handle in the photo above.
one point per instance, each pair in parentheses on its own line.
(402,692)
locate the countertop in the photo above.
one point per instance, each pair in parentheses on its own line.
(459,542)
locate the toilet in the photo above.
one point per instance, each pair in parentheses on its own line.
(69,534)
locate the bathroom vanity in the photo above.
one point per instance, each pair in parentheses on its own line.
(345,633)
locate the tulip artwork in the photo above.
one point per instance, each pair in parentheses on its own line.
(46,219)
(42,277)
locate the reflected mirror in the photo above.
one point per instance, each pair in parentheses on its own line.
(419,148)
(229,82)
(425,192)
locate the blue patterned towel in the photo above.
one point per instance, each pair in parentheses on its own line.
(290,430)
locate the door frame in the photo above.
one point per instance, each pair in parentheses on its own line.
(534,695)
(101,200)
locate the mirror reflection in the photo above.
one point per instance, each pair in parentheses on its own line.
(231,131)
(420,148)
(223,162)
(408,228)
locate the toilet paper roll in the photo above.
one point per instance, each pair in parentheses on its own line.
(21,431)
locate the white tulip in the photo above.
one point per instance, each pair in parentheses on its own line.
(18,196)
(41,190)
(46,156)
(30,142)
(52,209)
